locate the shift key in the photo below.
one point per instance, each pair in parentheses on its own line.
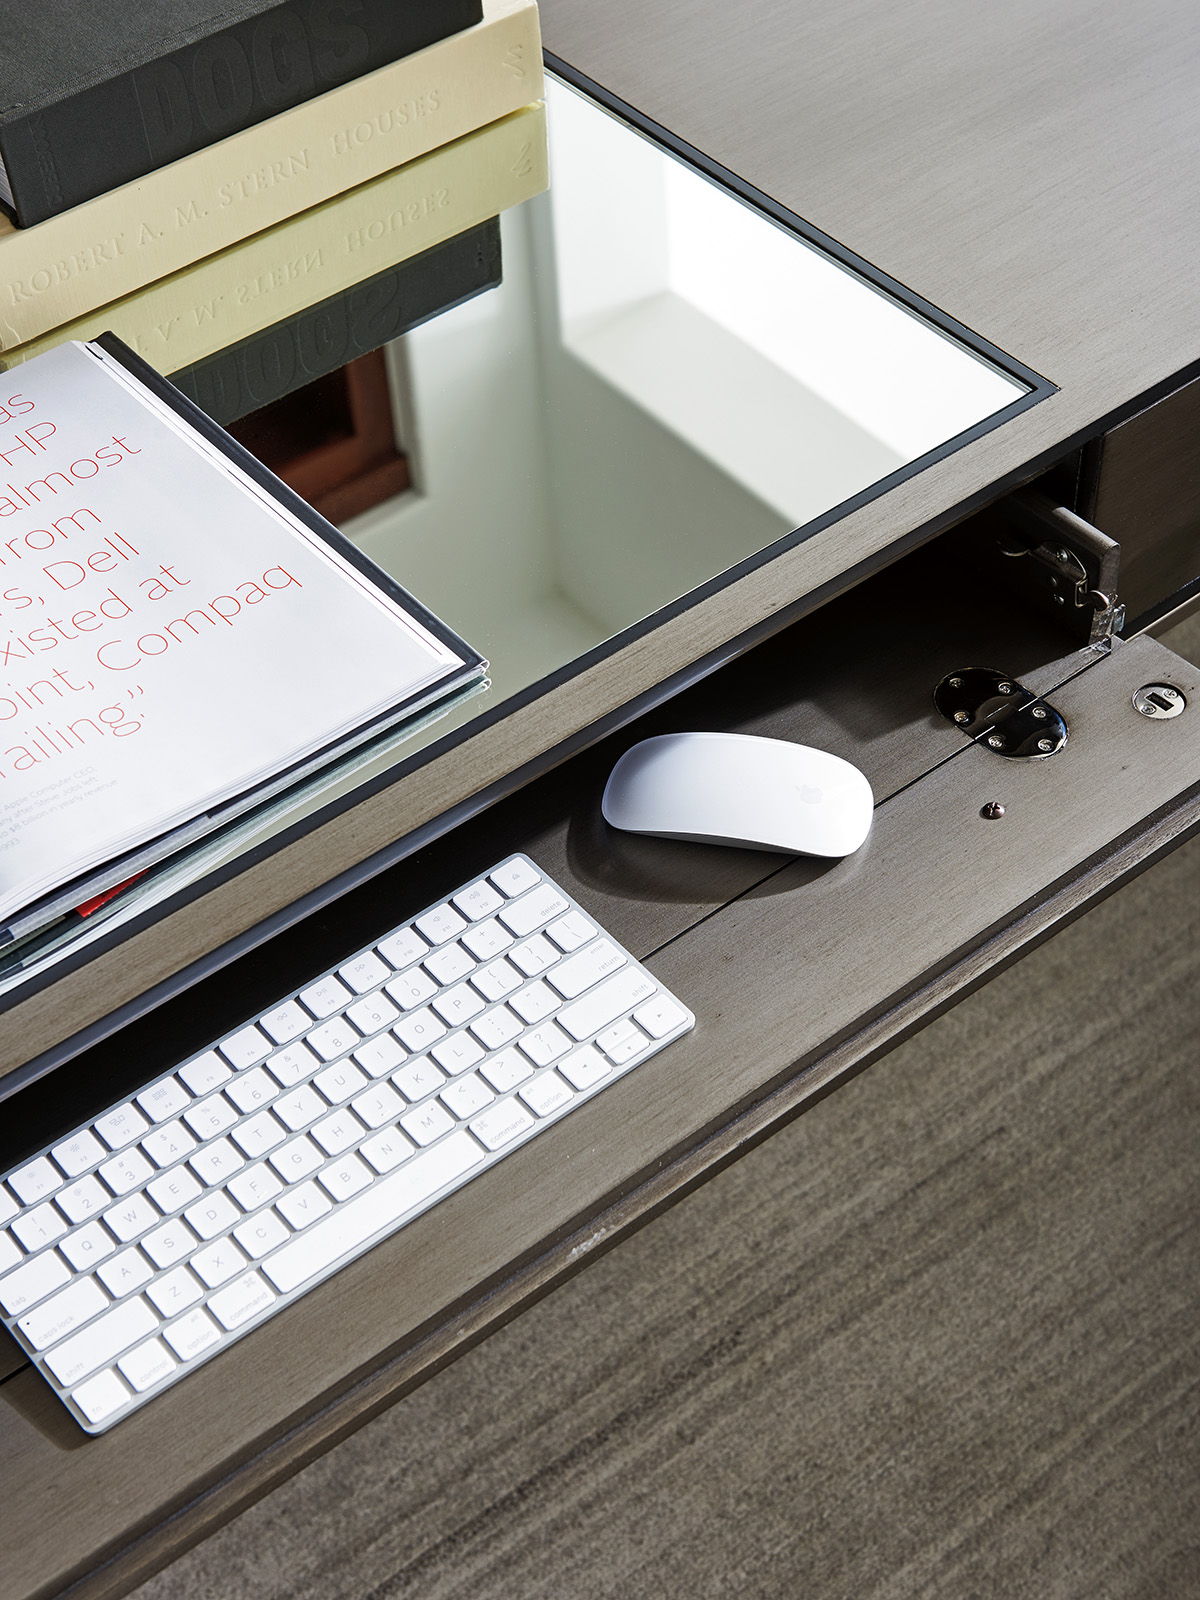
(101,1341)
(606,1002)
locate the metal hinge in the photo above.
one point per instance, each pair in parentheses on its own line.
(1065,564)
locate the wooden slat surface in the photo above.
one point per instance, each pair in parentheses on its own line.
(778,978)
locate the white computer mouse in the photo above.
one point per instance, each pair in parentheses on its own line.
(736,788)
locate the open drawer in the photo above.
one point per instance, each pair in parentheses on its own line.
(800,972)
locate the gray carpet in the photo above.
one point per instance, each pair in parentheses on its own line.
(938,1339)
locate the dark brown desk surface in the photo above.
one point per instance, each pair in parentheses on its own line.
(1028,173)
(1031,170)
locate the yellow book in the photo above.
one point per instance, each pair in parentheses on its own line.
(230,296)
(70,264)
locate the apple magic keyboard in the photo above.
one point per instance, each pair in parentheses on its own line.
(148,1240)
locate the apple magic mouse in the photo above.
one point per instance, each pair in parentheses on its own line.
(739,789)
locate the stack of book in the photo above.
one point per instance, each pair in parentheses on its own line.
(242,195)
(251,193)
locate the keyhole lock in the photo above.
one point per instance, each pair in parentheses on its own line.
(1159,700)
(992,709)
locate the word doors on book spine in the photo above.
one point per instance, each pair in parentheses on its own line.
(170,635)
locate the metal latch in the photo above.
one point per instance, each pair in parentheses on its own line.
(993,709)
(1065,561)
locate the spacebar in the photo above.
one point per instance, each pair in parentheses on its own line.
(385,1202)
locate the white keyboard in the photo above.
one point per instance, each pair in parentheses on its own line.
(145,1242)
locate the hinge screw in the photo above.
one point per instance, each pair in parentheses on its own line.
(1059,600)
(1039,712)
(1045,745)
(992,812)
(1004,688)
(961,716)
(956,683)
(996,742)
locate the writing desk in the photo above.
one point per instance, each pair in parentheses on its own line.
(950,162)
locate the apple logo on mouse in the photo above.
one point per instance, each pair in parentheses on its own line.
(740,789)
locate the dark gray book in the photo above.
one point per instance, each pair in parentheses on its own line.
(300,349)
(96,94)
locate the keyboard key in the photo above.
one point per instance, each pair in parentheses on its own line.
(296,1159)
(584,1067)
(411,988)
(24,1286)
(449,963)
(169,1143)
(149,1364)
(580,972)
(290,1065)
(419,1078)
(87,1245)
(246,1298)
(379,1104)
(514,877)
(332,1039)
(419,1030)
(489,939)
(338,1131)
(217,1161)
(246,1047)
(102,1341)
(343,1178)
(191,1335)
(304,1205)
(218,1263)
(286,1022)
(8,1206)
(477,900)
(171,1191)
(300,1108)
(255,1186)
(499,1027)
(497,979)
(546,1094)
(506,1071)
(458,1005)
(535,1001)
(206,1073)
(121,1126)
(175,1291)
(545,1044)
(10,1252)
(532,910)
(571,931)
(212,1215)
(501,1124)
(81,1200)
(101,1396)
(261,1234)
(170,1243)
(403,948)
(39,1227)
(372,1014)
(325,997)
(257,1135)
(77,1154)
(376,1208)
(605,1003)
(126,1172)
(338,1083)
(210,1117)
(534,955)
(660,1016)
(65,1311)
(379,1056)
(166,1099)
(427,1124)
(467,1095)
(250,1091)
(365,972)
(621,1042)
(440,924)
(124,1273)
(34,1182)
(457,1053)
(386,1150)
(130,1218)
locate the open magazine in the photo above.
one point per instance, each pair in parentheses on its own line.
(180,635)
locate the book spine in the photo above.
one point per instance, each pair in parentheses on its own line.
(208,89)
(228,297)
(305,347)
(94,254)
